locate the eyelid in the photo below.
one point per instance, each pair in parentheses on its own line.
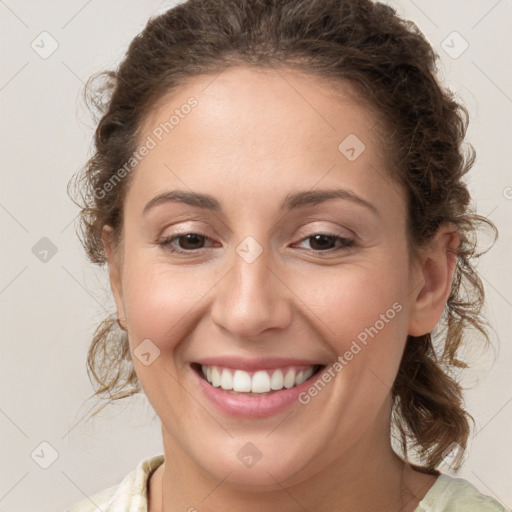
(315,226)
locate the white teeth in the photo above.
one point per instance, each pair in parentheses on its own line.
(226,380)
(241,382)
(289,379)
(215,377)
(262,381)
(276,382)
(308,373)
(303,376)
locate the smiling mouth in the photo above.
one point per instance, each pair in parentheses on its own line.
(257,383)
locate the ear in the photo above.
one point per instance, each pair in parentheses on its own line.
(432,281)
(114,270)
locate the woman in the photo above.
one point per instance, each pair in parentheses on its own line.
(277,189)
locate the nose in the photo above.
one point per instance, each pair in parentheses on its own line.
(253,298)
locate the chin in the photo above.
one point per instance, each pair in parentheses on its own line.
(262,464)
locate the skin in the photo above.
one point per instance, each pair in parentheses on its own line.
(254,137)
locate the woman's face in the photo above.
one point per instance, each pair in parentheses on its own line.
(296,262)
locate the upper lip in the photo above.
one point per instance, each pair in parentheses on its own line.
(255,364)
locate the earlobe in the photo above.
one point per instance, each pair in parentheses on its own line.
(435,271)
(114,270)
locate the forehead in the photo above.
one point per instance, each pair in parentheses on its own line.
(259,127)
(249,105)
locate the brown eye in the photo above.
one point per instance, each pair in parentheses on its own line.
(322,242)
(185,242)
(191,241)
(326,242)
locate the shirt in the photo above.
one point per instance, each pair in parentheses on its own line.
(448,494)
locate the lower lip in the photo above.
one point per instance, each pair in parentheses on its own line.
(251,405)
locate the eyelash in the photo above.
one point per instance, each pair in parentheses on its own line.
(346,243)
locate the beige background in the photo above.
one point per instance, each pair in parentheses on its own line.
(49,309)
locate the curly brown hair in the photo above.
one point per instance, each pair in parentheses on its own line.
(394,70)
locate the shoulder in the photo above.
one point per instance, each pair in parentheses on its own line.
(96,502)
(450,494)
(130,494)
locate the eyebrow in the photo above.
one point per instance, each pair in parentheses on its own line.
(291,202)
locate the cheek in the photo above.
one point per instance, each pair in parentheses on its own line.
(349,299)
(361,312)
(163,305)
(160,301)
